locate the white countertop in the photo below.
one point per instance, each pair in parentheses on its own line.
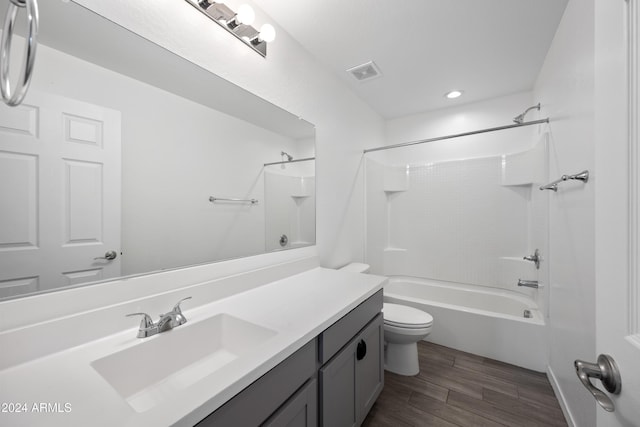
(298,308)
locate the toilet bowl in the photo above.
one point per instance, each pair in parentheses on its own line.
(404,326)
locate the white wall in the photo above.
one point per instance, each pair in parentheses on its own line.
(290,78)
(565,87)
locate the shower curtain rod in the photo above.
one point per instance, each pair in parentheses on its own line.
(457,135)
(284,162)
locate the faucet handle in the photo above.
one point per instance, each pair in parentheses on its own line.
(146,322)
(176,308)
(535,258)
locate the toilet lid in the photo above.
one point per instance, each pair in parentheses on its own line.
(405,317)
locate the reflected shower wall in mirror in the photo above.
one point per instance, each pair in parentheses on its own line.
(290,205)
(97,161)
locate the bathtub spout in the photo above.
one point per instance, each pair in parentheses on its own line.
(528,283)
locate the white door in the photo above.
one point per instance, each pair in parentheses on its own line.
(59,194)
(618,204)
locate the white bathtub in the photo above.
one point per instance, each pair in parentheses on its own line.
(484,321)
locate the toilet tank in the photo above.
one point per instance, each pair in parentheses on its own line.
(356,267)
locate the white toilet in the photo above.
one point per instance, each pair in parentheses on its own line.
(404,326)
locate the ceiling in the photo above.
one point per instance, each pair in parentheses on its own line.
(425,48)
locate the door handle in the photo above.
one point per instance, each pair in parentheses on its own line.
(606,370)
(109,256)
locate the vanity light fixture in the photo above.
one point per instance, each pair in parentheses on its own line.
(453,94)
(238,23)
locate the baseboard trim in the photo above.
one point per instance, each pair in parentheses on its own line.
(560,396)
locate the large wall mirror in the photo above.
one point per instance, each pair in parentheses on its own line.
(122,148)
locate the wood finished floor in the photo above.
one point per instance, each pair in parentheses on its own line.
(461,389)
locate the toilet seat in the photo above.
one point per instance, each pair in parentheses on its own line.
(402,316)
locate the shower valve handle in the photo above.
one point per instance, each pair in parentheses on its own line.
(535,258)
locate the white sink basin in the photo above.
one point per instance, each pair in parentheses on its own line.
(154,370)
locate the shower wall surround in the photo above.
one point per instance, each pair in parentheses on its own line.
(466,221)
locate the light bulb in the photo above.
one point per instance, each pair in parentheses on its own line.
(453,94)
(267,33)
(245,15)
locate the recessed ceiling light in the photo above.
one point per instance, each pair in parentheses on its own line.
(453,94)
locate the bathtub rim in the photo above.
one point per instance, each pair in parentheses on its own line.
(530,304)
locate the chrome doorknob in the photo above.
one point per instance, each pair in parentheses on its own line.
(606,370)
(109,255)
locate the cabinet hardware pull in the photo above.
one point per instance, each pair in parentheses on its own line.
(361,350)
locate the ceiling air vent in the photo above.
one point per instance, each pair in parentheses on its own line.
(365,71)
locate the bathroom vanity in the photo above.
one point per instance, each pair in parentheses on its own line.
(334,379)
(300,350)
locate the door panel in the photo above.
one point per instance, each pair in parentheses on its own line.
(19,192)
(83,205)
(60,192)
(20,120)
(618,203)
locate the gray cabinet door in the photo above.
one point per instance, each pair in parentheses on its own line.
(338,389)
(352,380)
(301,410)
(369,366)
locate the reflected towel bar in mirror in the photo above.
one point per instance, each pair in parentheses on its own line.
(220,199)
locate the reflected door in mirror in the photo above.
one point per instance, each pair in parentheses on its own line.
(60,192)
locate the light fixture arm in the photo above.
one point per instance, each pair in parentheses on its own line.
(238,24)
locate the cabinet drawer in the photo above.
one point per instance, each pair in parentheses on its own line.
(253,405)
(341,332)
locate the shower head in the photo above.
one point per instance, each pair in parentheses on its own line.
(520,118)
(289,157)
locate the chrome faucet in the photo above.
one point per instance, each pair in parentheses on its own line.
(528,283)
(166,322)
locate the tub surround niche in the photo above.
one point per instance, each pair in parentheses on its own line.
(295,300)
